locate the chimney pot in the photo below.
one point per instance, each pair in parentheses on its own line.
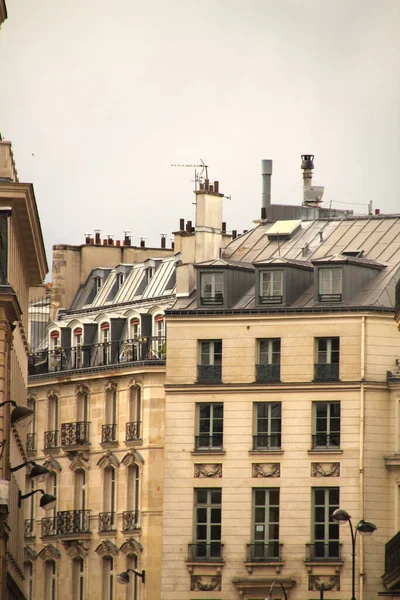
(216,187)
(118,243)
(104,242)
(206,184)
(92,241)
(377,211)
(307,161)
(234,234)
(181,224)
(211,188)
(223,227)
(266,172)
(162,241)
(201,186)
(97,236)
(87,238)
(263,212)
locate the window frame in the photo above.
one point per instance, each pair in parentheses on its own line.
(270,369)
(268,546)
(327,368)
(328,432)
(331,544)
(270,296)
(211,434)
(217,287)
(330,290)
(270,418)
(209,371)
(108,578)
(208,547)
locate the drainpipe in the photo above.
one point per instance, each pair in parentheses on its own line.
(361,465)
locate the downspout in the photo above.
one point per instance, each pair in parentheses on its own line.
(361,465)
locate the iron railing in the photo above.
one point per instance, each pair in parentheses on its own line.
(31,442)
(49,526)
(392,554)
(204,441)
(270,299)
(263,441)
(132,431)
(207,300)
(329,297)
(150,348)
(107,521)
(209,373)
(50,439)
(326,440)
(130,520)
(108,433)
(201,551)
(323,551)
(264,551)
(75,434)
(265,373)
(29,528)
(73,521)
(326,371)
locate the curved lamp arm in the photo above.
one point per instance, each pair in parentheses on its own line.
(272,587)
(28,495)
(22,465)
(8,402)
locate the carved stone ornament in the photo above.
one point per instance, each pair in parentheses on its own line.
(266,470)
(53,394)
(131,546)
(132,458)
(208,470)
(325,582)
(79,460)
(75,549)
(325,469)
(29,553)
(49,552)
(107,548)
(211,583)
(108,460)
(135,382)
(110,385)
(52,465)
(82,389)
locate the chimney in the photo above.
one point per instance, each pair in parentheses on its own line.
(234,234)
(266,172)
(127,238)
(87,238)
(163,239)
(97,236)
(312,194)
(110,240)
(142,242)
(307,164)
(181,224)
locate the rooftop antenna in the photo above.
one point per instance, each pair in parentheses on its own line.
(198,175)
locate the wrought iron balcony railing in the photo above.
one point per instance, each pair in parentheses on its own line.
(329,297)
(140,349)
(326,440)
(326,371)
(392,555)
(31,442)
(270,299)
(209,373)
(266,373)
(130,520)
(107,521)
(264,552)
(201,551)
(211,300)
(29,528)
(133,431)
(108,433)
(263,441)
(204,441)
(49,526)
(50,439)
(73,521)
(323,551)
(75,434)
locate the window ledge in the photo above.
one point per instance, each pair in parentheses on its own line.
(112,444)
(326,380)
(209,382)
(325,451)
(54,450)
(138,442)
(263,452)
(208,452)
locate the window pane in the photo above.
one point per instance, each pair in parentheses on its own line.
(201,497)
(216,496)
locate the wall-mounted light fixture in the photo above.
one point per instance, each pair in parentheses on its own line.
(38,473)
(21,416)
(124,576)
(47,501)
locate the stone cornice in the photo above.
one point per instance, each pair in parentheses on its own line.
(231,388)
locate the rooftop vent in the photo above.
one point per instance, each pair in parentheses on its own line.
(352,253)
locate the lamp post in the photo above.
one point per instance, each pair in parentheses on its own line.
(47,501)
(124,576)
(365,528)
(272,587)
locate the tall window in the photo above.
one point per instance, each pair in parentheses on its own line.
(330,285)
(328,355)
(325,530)
(158,348)
(28,572)
(78,579)
(130,517)
(80,489)
(109,429)
(82,407)
(50,580)
(212,288)
(326,425)
(210,426)
(210,367)
(30,510)
(265,537)
(132,563)
(30,435)
(109,498)
(51,436)
(76,355)
(51,488)
(82,414)
(271,287)
(105,344)
(208,524)
(269,360)
(267,425)
(134,425)
(108,578)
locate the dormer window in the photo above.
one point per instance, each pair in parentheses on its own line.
(271,287)
(97,283)
(330,285)
(120,279)
(212,288)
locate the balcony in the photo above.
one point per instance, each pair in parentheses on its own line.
(31,442)
(268,373)
(329,297)
(151,349)
(205,441)
(326,371)
(203,552)
(106,521)
(73,521)
(49,526)
(51,440)
(133,431)
(208,300)
(130,520)
(29,528)
(267,442)
(323,551)
(326,441)
(391,578)
(270,299)
(108,433)
(75,434)
(264,552)
(209,373)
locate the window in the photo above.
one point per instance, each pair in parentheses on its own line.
(210,425)
(120,279)
(131,592)
(134,329)
(330,285)
(30,436)
(210,368)
(207,524)
(105,344)
(327,365)
(28,572)
(109,429)
(265,536)
(108,578)
(267,426)
(325,531)
(97,284)
(51,488)
(271,287)
(107,518)
(158,346)
(80,489)
(50,580)
(78,579)
(130,517)
(76,354)
(326,425)
(269,360)
(51,436)
(30,510)
(211,288)
(133,426)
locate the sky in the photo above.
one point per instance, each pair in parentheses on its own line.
(100,98)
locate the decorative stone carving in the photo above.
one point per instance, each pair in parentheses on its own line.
(212,584)
(131,546)
(29,553)
(53,394)
(108,460)
(82,389)
(135,382)
(325,582)
(75,549)
(132,458)
(208,470)
(52,465)
(79,460)
(107,548)
(110,385)
(266,470)
(325,469)
(49,552)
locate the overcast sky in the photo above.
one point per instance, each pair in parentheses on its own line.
(100,97)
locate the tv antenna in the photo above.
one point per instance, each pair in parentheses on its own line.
(199,176)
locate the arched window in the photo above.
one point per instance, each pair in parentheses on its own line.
(108,578)
(109,429)
(131,515)
(78,579)
(76,354)
(50,580)
(107,519)
(133,427)
(51,435)
(158,345)
(28,572)
(105,344)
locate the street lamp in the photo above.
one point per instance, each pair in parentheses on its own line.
(47,501)
(272,587)
(22,416)
(365,528)
(38,472)
(124,576)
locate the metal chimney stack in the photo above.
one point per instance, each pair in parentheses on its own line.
(266,172)
(307,164)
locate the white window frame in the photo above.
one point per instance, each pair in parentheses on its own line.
(328,508)
(271,419)
(262,527)
(210,433)
(212,287)
(271,291)
(330,283)
(330,417)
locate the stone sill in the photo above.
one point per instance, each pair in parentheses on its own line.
(325,451)
(205,563)
(208,453)
(265,452)
(276,564)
